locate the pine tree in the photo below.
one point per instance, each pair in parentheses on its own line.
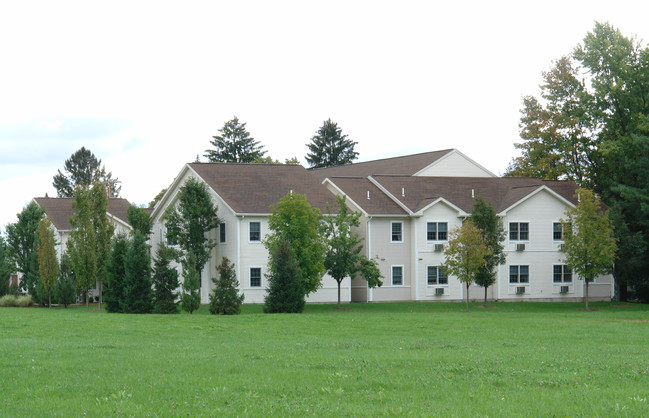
(137,277)
(165,282)
(191,298)
(226,299)
(329,147)
(234,145)
(285,294)
(66,287)
(114,286)
(82,169)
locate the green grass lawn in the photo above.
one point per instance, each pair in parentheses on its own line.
(420,359)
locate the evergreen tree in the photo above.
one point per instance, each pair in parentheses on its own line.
(165,282)
(294,220)
(82,169)
(234,145)
(329,147)
(6,267)
(48,265)
(115,276)
(484,217)
(225,299)
(138,296)
(284,293)
(22,238)
(190,298)
(66,287)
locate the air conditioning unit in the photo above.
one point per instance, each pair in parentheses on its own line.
(562,247)
(564,289)
(520,290)
(439,247)
(520,247)
(439,291)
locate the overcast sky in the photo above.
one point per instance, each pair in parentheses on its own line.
(145,84)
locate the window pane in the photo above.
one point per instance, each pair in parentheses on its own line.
(222,233)
(557,232)
(558,274)
(524,274)
(442,278)
(255,231)
(442,228)
(396,231)
(513,231)
(432,275)
(524,231)
(431,231)
(513,274)
(397,275)
(567,274)
(255,277)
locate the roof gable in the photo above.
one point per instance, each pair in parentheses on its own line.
(59,210)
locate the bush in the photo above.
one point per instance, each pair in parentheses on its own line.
(24,300)
(226,299)
(8,301)
(66,290)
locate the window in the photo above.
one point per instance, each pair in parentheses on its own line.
(397,231)
(436,275)
(397,275)
(255,277)
(562,274)
(436,231)
(519,274)
(170,241)
(557,231)
(519,231)
(255,231)
(222,233)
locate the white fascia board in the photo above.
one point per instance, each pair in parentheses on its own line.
(534,193)
(327,180)
(390,195)
(126,224)
(170,190)
(460,212)
(448,154)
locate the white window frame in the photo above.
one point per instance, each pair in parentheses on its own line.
(392,275)
(223,233)
(518,274)
(436,231)
(437,283)
(391,233)
(553,231)
(563,274)
(518,233)
(261,277)
(250,232)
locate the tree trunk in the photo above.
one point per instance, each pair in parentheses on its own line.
(100,291)
(485,296)
(467,297)
(338,293)
(87,302)
(586,296)
(49,303)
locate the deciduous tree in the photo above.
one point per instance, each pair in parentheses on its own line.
(140,220)
(466,254)
(22,238)
(82,244)
(589,241)
(484,217)
(225,299)
(6,267)
(190,299)
(343,257)
(234,145)
(48,265)
(294,221)
(329,147)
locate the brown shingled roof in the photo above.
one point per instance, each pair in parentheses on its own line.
(59,210)
(419,192)
(253,188)
(406,165)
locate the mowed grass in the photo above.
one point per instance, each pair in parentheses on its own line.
(514,359)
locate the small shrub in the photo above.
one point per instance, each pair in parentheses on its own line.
(24,300)
(226,299)
(8,301)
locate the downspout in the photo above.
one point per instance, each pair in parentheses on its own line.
(369,252)
(239,220)
(415,251)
